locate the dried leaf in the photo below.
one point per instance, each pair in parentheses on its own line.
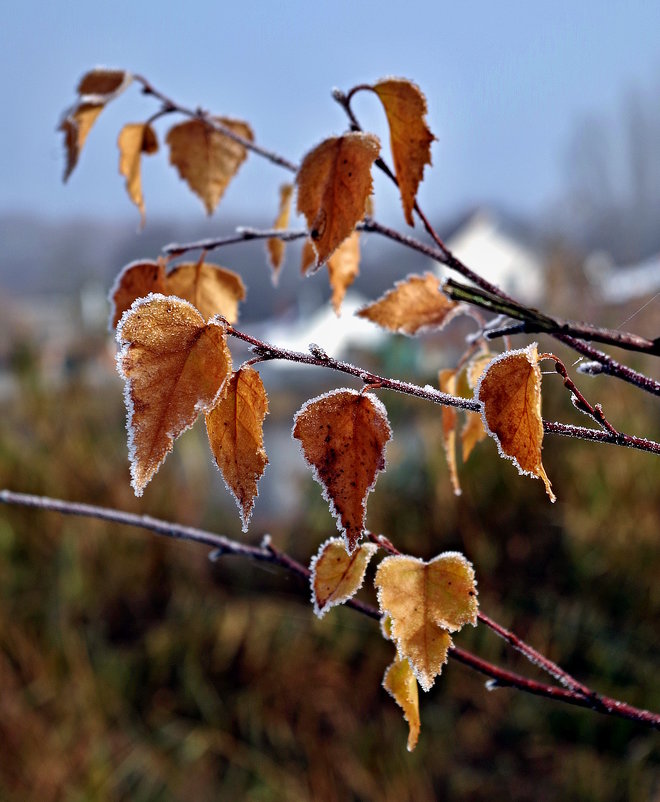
(308,256)
(411,306)
(447,381)
(175,366)
(337,576)
(399,681)
(343,268)
(473,432)
(214,290)
(510,389)
(235,430)
(276,246)
(410,137)
(211,288)
(343,436)
(476,367)
(334,182)
(206,159)
(95,89)
(134,140)
(426,600)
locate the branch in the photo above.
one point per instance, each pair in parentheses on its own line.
(578,695)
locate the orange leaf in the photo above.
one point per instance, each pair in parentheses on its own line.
(134,140)
(413,305)
(343,268)
(337,576)
(447,380)
(206,159)
(343,436)
(334,182)
(473,432)
(410,137)
(214,290)
(308,256)
(174,366)
(399,681)
(211,288)
(276,246)
(510,390)
(426,600)
(235,430)
(95,89)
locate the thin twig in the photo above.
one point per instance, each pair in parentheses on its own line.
(581,696)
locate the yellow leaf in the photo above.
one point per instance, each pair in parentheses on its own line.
(276,246)
(410,137)
(308,256)
(510,390)
(447,380)
(399,681)
(413,305)
(214,290)
(426,600)
(235,431)
(134,140)
(95,89)
(343,268)
(473,432)
(211,288)
(334,183)
(476,367)
(336,576)
(206,159)
(343,436)
(175,366)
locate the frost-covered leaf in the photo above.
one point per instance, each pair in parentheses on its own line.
(211,288)
(343,268)
(134,140)
(307,257)
(95,89)
(410,136)
(276,246)
(206,159)
(343,436)
(426,600)
(214,290)
(336,576)
(175,366)
(476,367)
(473,432)
(399,681)
(510,390)
(235,431)
(447,381)
(334,182)
(412,305)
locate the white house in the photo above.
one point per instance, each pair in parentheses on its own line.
(501,251)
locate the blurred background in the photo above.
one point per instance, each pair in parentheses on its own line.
(132,667)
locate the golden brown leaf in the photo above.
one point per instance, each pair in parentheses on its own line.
(95,89)
(410,137)
(510,390)
(235,430)
(343,268)
(343,436)
(447,381)
(334,183)
(476,367)
(308,256)
(206,159)
(411,306)
(135,281)
(134,140)
(175,366)
(276,246)
(426,600)
(214,290)
(399,681)
(211,288)
(336,576)
(473,432)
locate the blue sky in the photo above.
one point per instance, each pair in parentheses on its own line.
(505,83)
